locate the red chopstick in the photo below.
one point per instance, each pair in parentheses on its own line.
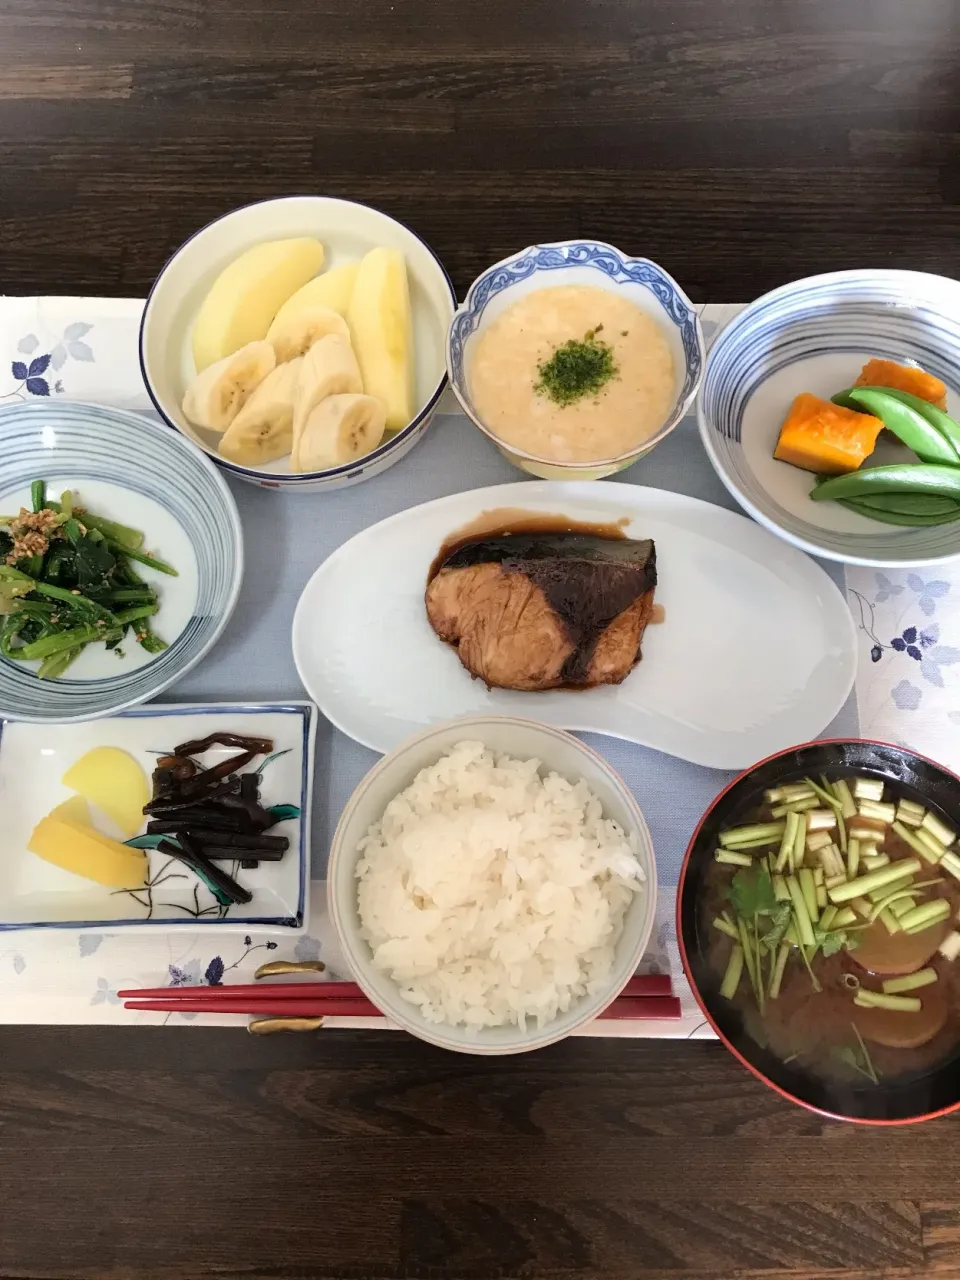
(644,997)
(639,1007)
(265,1007)
(653,984)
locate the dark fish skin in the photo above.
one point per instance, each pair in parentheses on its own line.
(503,548)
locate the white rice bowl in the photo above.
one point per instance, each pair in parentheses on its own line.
(494,896)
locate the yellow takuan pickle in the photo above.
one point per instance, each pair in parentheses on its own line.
(67,839)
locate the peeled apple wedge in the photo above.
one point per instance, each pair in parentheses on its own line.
(329,368)
(263,431)
(333,289)
(340,430)
(216,396)
(382,329)
(296,334)
(247,294)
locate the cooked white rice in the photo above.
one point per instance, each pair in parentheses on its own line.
(492,895)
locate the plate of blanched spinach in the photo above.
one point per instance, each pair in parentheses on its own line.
(69,578)
(121,559)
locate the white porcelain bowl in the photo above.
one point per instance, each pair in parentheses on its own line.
(525,740)
(347,231)
(601,266)
(815,335)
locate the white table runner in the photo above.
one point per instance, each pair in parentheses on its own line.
(907,691)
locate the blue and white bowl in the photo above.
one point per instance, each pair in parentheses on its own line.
(578,262)
(139,473)
(347,231)
(815,335)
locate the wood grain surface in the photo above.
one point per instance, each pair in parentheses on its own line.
(738,142)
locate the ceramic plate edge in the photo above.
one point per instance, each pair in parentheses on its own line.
(810,568)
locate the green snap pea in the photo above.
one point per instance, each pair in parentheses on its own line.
(911,504)
(902,477)
(939,420)
(897,517)
(907,425)
(844,400)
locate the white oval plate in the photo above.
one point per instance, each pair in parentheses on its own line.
(757,651)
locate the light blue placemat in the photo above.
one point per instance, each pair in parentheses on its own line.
(288,536)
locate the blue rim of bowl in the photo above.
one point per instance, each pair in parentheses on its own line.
(137,422)
(274,478)
(307,712)
(468,313)
(708,431)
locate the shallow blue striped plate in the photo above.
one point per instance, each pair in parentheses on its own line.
(136,471)
(815,335)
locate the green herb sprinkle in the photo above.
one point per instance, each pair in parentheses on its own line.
(578,368)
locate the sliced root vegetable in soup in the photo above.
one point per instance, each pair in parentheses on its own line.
(573,374)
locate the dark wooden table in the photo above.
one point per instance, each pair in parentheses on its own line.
(738,142)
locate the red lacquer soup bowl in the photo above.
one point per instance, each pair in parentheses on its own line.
(918,1088)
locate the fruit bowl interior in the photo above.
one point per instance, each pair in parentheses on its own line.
(347,231)
(908,1095)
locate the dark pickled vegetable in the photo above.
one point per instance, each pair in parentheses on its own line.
(259,746)
(264,846)
(217,773)
(214,815)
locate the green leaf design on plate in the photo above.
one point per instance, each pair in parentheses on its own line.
(284,812)
(276,756)
(148,842)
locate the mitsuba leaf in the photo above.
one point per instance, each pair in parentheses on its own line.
(752,893)
(831,943)
(779,926)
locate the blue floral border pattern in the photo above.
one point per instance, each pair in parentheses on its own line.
(581,253)
(914,641)
(31,377)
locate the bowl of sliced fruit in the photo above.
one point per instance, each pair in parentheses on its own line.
(300,342)
(830,408)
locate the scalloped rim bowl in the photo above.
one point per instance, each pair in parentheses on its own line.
(347,230)
(583,262)
(524,739)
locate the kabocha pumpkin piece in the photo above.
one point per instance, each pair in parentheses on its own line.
(904,377)
(824,437)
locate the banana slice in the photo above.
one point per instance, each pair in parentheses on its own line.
(294,334)
(263,430)
(339,430)
(216,396)
(329,368)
